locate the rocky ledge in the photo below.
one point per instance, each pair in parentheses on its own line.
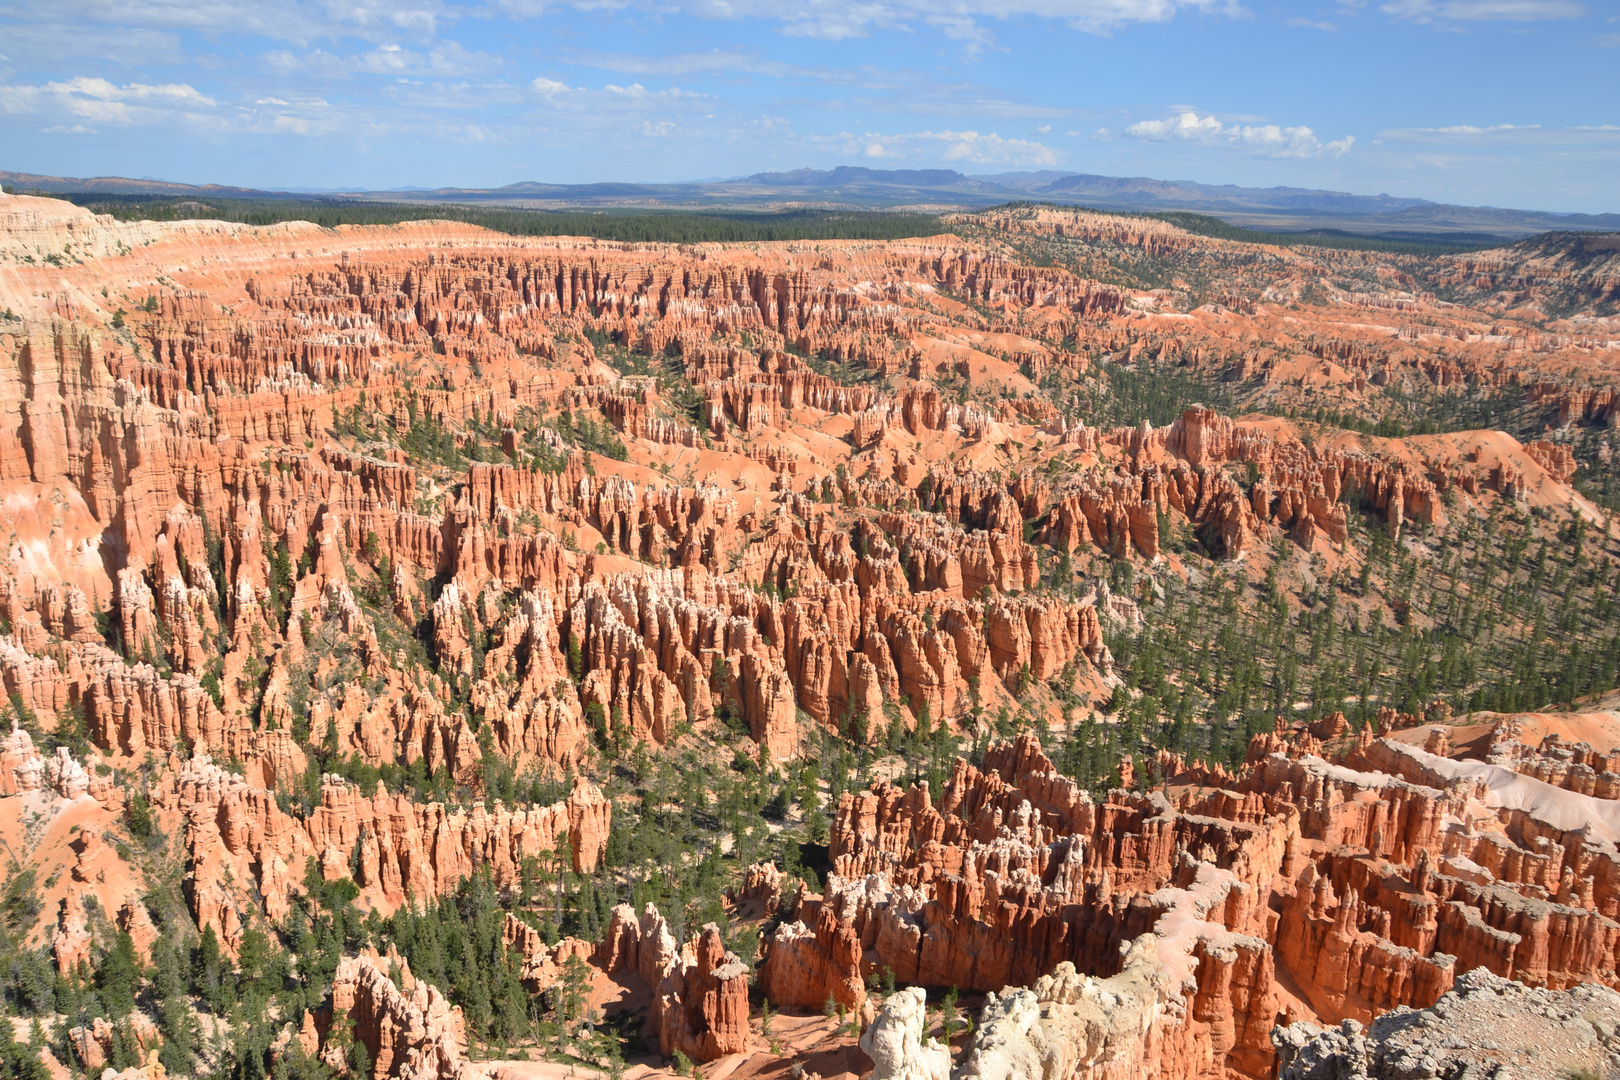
(1487,1028)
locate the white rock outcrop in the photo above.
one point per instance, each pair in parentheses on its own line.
(894,1041)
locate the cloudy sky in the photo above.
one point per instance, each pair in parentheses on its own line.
(1503,102)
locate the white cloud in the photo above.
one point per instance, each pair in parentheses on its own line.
(84,105)
(100,101)
(278,20)
(836,20)
(695,63)
(319,63)
(959,147)
(1188,125)
(961,18)
(102,90)
(970,146)
(447,59)
(877,90)
(1470,129)
(64,43)
(303,24)
(637,92)
(1485,10)
(1503,135)
(543,85)
(1270,139)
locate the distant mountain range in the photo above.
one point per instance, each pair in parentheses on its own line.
(848,187)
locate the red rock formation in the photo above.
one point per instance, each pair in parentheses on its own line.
(761,886)
(700,991)
(410,1034)
(708,1016)
(1556,459)
(1372,889)
(224,550)
(809,966)
(93,1044)
(1575,767)
(72,941)
(21,767)
(239,838)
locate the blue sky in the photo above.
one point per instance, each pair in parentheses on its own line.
(1503,102)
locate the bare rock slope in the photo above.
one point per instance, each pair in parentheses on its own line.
(1487,1027)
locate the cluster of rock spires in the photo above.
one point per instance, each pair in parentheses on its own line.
(199,434)
(242,846)
(700,999)
(408,1028)
(1216,922)
(23,769)
(1359,887)
(1504,333)
(190,535)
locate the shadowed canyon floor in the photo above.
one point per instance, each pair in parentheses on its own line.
(1065,647)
